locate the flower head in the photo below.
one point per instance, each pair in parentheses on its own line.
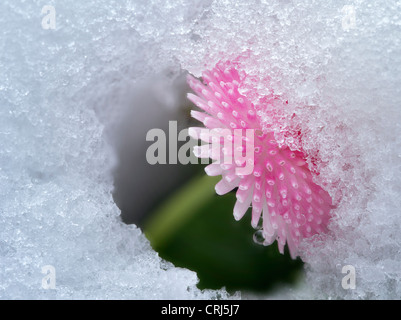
(279,187)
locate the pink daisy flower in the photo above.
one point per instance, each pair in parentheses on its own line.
(279,188)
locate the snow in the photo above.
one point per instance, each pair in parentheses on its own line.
(55,165)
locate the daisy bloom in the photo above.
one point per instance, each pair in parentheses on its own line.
(287,205)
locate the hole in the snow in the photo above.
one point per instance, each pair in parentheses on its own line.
(176,205)
(139,186)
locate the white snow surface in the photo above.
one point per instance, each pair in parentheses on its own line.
(56,206)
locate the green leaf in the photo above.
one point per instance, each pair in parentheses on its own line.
(195,229)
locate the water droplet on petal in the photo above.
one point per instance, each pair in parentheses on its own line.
(258,237)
